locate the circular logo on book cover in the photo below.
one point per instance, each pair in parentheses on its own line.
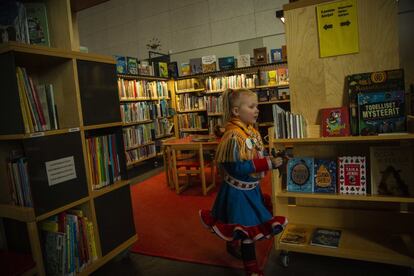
(300,174)
(378,77)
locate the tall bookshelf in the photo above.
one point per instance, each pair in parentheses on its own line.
(87,107)
(147,119)
(270,90)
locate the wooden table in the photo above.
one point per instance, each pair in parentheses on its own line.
(172,146)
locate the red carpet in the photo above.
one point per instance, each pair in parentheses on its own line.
(168,225)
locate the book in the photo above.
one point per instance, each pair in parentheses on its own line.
(173,69)
(352,177)
(282,75)
(296,234)
(243,61)
(335,122)
(300,174)
(13,22)
(381,112)
(260,55)
(276,55)
(284,53)
(370,81)
(226,63)
(37,23)
(196,66)
(392,170)
(209,63)
(324,176)
(132,65)
(163,69)
(121,65)
(326,237)
(185,69)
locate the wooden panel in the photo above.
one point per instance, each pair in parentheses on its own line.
(78,5)
(320,81)
(60,23)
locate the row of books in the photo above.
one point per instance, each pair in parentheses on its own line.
(280,76)
(187,84)
(138,135)
(141,89)
(140,153)
(212,122)
(24,22)
(103,160)
(19,181)
(287,124)
(190,120)
(131,66)
(68,243)
(390,172)
(273,94)
(163,127)
(235,82)
(306,235)
(37,103)
(215,104)
(142,111)
(190,102)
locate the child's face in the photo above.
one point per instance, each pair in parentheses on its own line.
(247,110)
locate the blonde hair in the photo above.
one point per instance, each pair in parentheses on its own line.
(231,98)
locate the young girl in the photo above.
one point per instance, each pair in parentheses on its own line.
(239,212)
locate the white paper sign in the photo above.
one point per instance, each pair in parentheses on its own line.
(60,170)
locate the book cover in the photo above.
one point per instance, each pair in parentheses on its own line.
(324,176)
(185,69)
(173,69)
(132,65)
(352,177)
(276,55)
(326,237)
(282,75)
(226,63)
(243,61)
(272,77)
(121,65)
(381,112)
(300,174)
(392,170)
(209,63)
(370,81)
(263,95)
(13,22)
(260,55)
(163,69)
(37,23)
(296,234)
(196,66)
(335,122)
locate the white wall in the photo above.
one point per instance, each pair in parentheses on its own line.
(185,28)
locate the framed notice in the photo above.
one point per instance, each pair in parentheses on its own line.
(338,28)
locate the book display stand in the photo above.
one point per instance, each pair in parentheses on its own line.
(48,186)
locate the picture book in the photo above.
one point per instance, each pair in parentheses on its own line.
(37,23)
(392,170)
(276,55)
(296,234)
(300,174)
(282,75)
(226,63)
(381,112)
(260,55)
(185,69)
(335,122)
(209,63)
(324,176)
(352,177)
(326,237)
(132,65)
(163,69)
(13,22)
(262,95)
(272,77)
(121,65)
(196,66)
(390,80)
(173,69)
(283,93)
(243,61)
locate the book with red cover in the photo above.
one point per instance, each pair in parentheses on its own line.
(352,176)
(335,122)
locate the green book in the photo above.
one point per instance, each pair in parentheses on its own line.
(37,24)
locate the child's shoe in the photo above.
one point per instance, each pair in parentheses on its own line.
(233,248)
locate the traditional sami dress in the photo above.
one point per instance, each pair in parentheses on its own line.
(239,212)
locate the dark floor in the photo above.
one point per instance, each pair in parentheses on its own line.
(300,264)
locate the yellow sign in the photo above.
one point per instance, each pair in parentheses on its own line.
(338,28)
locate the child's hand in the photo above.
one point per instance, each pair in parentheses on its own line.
(277,161)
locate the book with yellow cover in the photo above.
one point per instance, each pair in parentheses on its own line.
(296,234)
